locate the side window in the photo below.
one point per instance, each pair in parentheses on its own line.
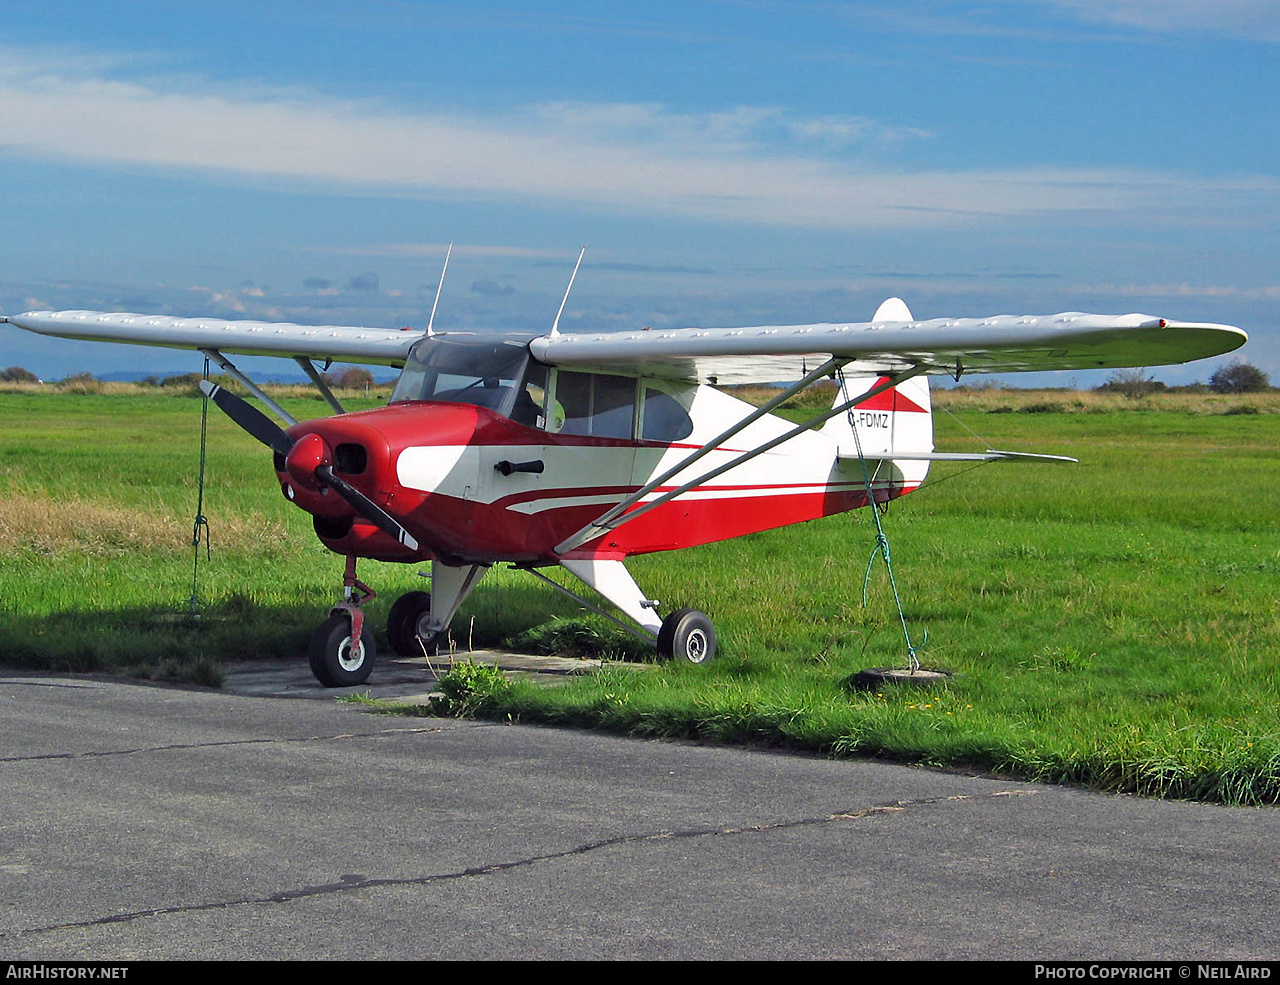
(614,410)
(600,406)
(531,397)
(665,419)
(573,394)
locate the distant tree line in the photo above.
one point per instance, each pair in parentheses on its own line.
(352,378)
(1133,383)
(1233,377)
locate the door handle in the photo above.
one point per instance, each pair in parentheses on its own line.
(506,468)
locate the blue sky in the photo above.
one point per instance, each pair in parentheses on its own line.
(724,162)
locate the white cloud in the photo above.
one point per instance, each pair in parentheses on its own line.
(437,251)
(1256,19)
(747,164)
(1268,292)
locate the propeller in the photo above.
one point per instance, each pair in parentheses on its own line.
(248,417)
(270,434)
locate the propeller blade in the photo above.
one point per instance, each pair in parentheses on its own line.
(248,417)
(366,507)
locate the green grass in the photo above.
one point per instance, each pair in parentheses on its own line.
(1114,623)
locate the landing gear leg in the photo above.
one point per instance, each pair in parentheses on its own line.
(686,634)
(342,648)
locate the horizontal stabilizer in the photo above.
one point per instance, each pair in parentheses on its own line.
(990,455)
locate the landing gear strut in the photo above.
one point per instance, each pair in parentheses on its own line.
(686,635)
(420,621)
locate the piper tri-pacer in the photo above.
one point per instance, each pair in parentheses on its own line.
(580,450)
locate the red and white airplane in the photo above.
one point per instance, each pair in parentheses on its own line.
(580,450)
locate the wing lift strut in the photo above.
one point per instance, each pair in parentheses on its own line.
(229,368)
(308,367)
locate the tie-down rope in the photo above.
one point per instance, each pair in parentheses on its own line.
(882,541)
(201,523)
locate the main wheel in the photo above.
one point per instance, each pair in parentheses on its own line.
(402,623)
(688,635)
(335,659)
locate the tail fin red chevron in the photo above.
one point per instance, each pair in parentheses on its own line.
(897,420)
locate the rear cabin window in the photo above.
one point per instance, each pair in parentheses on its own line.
(599,406)
(604,406)
(665,418)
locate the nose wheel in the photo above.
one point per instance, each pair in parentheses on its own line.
(341,657)
(342,648)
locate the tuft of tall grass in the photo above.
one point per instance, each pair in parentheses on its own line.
(52,526)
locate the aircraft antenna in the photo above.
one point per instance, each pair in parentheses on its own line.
(555,325)
(431,321)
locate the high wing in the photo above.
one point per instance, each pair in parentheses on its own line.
(954,346)
(380,346)
(762,354)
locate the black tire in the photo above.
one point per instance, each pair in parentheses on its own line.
(402,623)
(332,658)
(687,635)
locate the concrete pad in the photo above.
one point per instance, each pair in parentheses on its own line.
(404,680)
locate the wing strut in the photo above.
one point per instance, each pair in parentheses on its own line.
(309,368)
(229,367)
(618,515)
(602,523)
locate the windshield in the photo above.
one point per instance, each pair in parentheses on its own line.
(486,371)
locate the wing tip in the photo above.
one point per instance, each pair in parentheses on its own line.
(1231,334)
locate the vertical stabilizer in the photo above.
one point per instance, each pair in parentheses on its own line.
(897,420)
(892,309)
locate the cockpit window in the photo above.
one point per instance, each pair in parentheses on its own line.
(488,372)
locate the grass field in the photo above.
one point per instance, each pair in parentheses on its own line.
(1113,623)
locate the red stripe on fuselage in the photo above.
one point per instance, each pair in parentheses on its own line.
(494,532)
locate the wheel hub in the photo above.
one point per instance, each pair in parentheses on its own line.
(350,656)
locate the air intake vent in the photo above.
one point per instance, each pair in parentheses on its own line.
(331,529)
(350,459)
